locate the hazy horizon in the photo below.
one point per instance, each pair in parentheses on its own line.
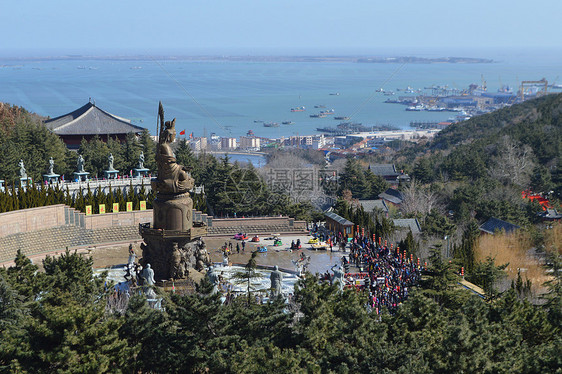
(498,54)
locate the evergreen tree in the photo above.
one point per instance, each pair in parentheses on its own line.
(184,155)
(131,150)
(409,244)
(465,253)
(486,274)
(423,171)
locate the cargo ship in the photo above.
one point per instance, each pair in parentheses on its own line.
(298,109)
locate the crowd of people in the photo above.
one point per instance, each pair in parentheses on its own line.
(389,272)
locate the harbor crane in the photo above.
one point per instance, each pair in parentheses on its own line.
(542,84)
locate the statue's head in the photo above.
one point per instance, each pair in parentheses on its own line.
(148,266)
(276,268)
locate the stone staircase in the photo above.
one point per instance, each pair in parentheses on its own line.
(252,230)
(58,238)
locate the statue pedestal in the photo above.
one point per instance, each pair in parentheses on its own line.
(81,176)
(171,244)
(24,182)
(172,212)
(140,173)
(51,178)
(110,174)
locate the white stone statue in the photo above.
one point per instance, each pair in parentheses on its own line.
(141,160)
(110,160)
(276,278)
(338,278)
(23,173)
(148,276)
(80,164)
(51,166)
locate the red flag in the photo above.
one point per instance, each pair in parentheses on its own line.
(182,132)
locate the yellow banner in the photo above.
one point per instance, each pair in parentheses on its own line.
(129,206)
(88,210)
(143,205)
(102,208)
(115,207)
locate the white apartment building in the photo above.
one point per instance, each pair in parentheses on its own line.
(228,144)
(250,142)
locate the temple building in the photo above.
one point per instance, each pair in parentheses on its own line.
(87,122)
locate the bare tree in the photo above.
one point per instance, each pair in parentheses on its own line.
(513,162)
(418,199)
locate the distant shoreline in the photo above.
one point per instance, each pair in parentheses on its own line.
(333,59)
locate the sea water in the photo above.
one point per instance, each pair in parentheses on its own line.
(231,98)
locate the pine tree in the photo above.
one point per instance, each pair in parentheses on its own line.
(184,155)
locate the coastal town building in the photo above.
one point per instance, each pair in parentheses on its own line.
(298,141)
(228,144)
(318,142)
(198,144)
(88,122)
(250,143)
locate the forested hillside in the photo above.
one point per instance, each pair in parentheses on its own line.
(511,144)
(480,167)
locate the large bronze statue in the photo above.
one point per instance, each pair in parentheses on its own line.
(173,178)
(171,243)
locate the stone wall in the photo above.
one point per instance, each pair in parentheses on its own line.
(27,220)
(99,221)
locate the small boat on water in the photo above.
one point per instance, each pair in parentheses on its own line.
(417,108)
(327,112)
(342,118)
(298,109)
(271,124)
(287,123)
(258,121)
(320,115)
(320,106)
(335,94)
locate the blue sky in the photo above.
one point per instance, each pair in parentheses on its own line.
(276,26)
